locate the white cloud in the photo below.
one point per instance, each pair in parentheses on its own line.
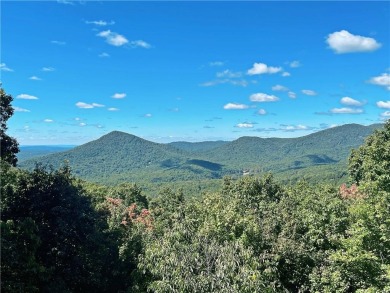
(18,109)
(4,67)
(104,55)
(244,125)
(382,104)
(82,124)
(228,73)
(351,102)
(113,109)
(118,95)
(345,42)
(216,63)
(113,38)
(141,44)
(279,87)
(35,78)
(382,80)
(148,115)
(346,111)
(61,43)
(309,92)
(77,119)
(65,2)
(292,95)
(97,105)
(83,105)
(48,69)
(262,112)
(234,106)
(295,64)
(294,127)
(26,97)
(285,74)
(261,97)
(100,22)
(261,68)
(385,114)
(48,120)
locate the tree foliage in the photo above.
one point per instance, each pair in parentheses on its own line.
(369,165)
(9,145)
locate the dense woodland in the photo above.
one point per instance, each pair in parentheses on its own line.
(253,234)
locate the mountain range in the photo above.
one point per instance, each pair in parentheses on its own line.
(121,157)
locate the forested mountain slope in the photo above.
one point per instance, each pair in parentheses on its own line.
(119,157)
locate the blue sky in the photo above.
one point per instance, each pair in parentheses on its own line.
(194,71)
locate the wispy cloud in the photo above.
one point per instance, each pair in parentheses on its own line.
(82,124)
(262,112)
(113,38)
(140,44)
(292,95)
(309,92)
(113,109)
(261,97)
(118,96)
(295,64)
(385,114)
(26,97)
(216,63)
(66,2)
(350,102)
(383,104)
(346,110)
(279,87)
(345,42)
(18,109)
(48,69)
(35,78)
(294,127)
(228,74)
(286,128)
(61,43)
(104,55)
(148,115)
(241,82)
(4,67)
(100,22)
(286,74)
(83,105)
(235,106)
(381,80)
(244,125)
(48,120)
(262,68)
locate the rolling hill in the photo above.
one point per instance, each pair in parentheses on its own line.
(120,157)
